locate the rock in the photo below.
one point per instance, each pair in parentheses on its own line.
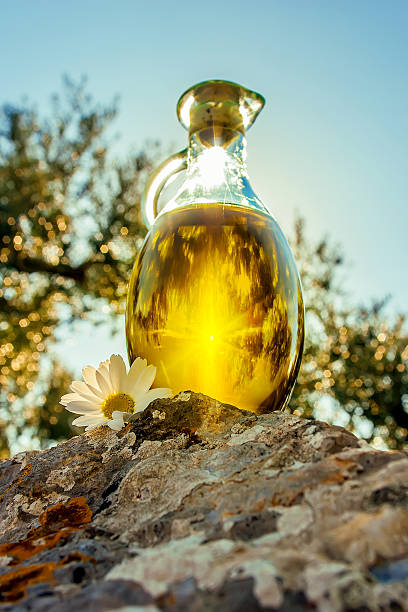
(197,505)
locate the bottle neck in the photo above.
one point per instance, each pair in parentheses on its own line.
(216,171)
(217,157)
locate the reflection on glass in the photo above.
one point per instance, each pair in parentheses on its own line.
(215,303)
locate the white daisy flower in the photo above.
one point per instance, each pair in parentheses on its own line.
(109,395)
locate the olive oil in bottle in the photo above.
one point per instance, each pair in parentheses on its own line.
(215,303)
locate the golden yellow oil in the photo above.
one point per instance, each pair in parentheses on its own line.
(215,303)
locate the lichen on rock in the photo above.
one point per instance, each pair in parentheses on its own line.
(197,505)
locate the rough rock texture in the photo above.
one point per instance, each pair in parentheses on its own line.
(199,506)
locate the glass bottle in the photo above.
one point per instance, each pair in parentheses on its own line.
(215,299)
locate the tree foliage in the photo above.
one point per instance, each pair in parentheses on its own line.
(356,356)
(70,230)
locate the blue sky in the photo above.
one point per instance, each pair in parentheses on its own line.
(331,142)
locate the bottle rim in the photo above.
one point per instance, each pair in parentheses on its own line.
(218,101)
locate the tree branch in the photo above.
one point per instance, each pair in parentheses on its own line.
(29,264)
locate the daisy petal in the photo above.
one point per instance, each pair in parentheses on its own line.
(98,392)
(144,381)
(88,420)
(78,408)
(106,377)
(102,383)
(85,391)
(77,397)
(89,427)
(126,415)
(68,397)
(103,368)
(117,371)
(89,376)
(83,404)
(115,425)
(150,396)
(136,369)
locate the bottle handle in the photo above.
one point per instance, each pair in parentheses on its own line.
(156,182)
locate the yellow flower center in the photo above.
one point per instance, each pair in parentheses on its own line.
(117,401)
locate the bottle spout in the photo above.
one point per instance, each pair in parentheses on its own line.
(219,104)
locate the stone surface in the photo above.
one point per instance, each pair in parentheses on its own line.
(199,506)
